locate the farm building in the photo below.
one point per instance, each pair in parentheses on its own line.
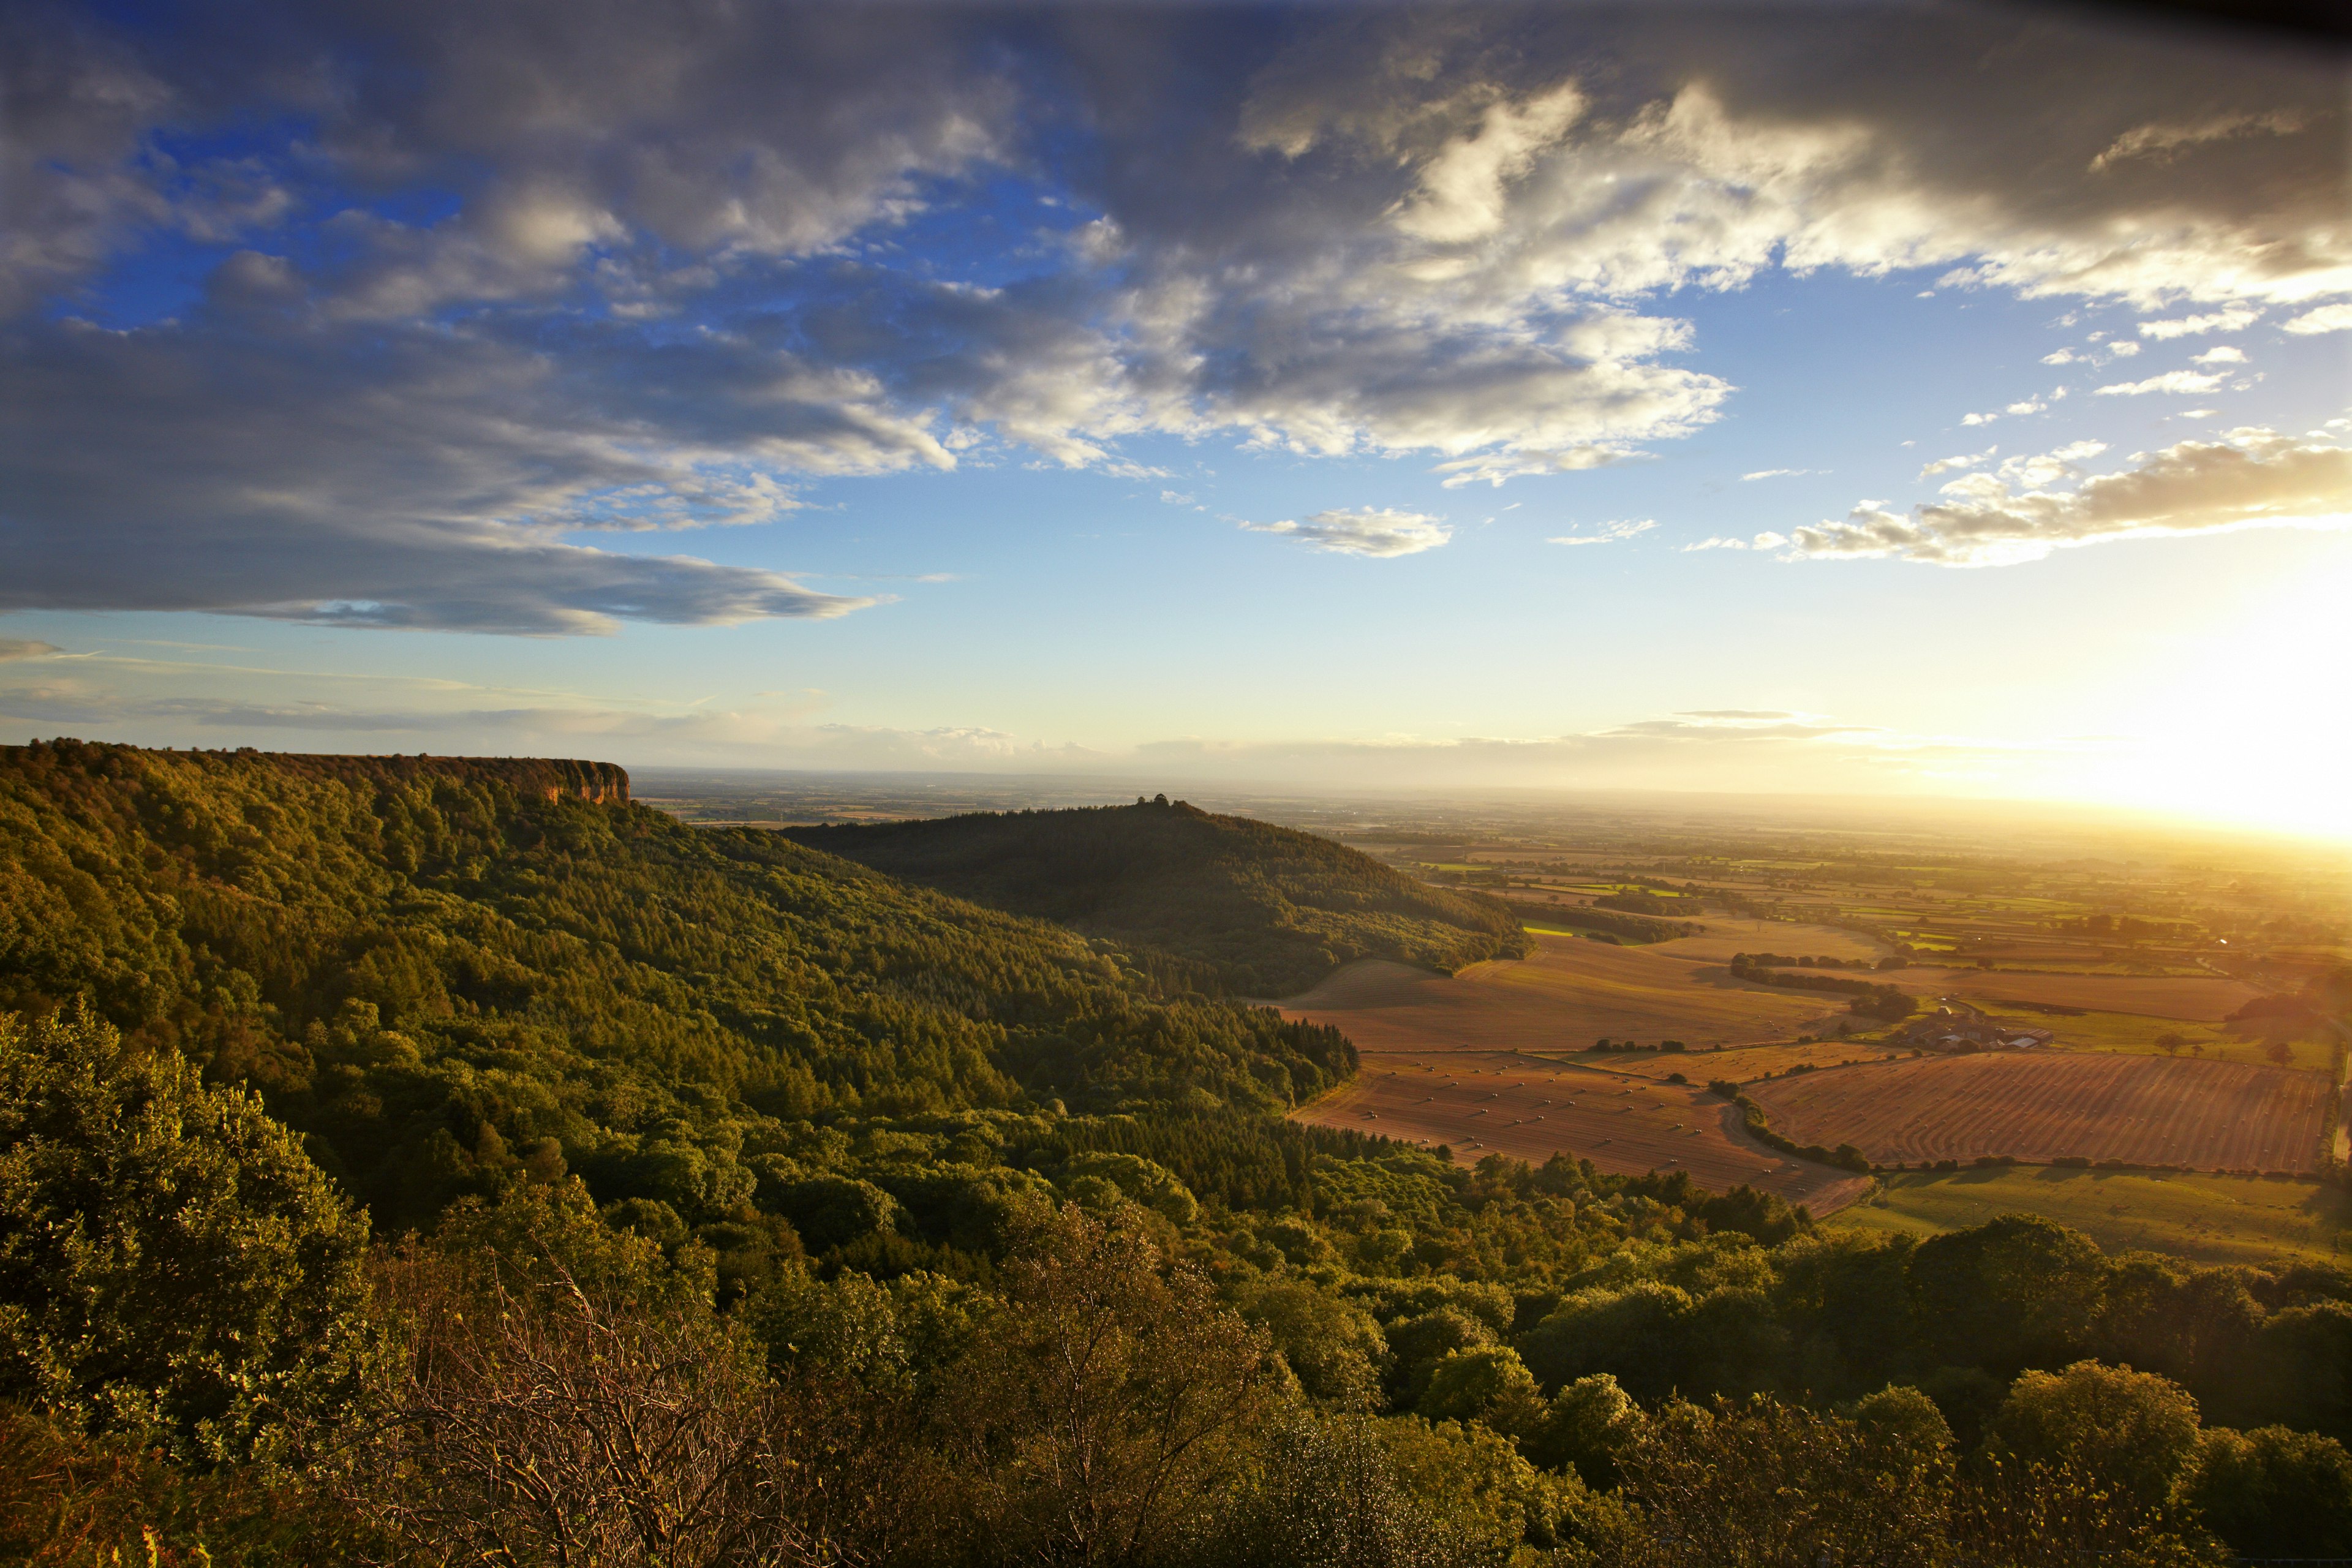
(1953,1033)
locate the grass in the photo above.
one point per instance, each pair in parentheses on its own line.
(2134,1034)
(2205,1219)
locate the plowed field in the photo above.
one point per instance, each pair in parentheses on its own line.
(2210,1115)
(1481,1103)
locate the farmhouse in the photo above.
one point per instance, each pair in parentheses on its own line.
(1953,1033)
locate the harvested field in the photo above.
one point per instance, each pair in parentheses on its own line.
(2141,1109)
(2195,998)
(1569,993)
(1482,1103)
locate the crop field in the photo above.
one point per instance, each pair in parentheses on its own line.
(2039,1107)
(1486,1102)
(2208,1218)
(2196,999)
(1569,993)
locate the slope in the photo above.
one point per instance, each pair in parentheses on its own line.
(1269,910)
(443,971)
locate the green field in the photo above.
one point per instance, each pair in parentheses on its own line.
(2136,1034)
(2210,1219)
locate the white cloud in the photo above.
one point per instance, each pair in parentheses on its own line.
(2048,468)
(1379,533)
(1778,473)
(2180,381)
(11,648)
(1949,465)
(1716,543)
(1610,532)
(2326,319)
(2250,477)
(2062,356)
(2224,354)
(2224,320)
(2030,405)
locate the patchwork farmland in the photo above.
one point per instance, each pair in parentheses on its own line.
(2142,1111)
(1497,1103)
(1571,992)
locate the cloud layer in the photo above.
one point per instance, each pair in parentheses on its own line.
(467,292)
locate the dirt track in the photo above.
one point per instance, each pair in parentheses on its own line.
(2036,1107)
(1480,1103)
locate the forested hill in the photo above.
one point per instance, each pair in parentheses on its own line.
(445,972)
(1273,910)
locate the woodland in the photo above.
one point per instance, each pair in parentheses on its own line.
(411,1160)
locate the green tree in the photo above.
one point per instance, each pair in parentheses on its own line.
(2273,1492)
(2131,1430)
(1590,1425)
(1102,1414)
(172,1266)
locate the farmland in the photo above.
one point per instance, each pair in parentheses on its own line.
(2208,1218)
(2039,1107)
(1489,1102)
(1569,993)
(2206,999)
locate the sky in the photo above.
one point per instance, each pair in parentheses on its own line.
(1825,398)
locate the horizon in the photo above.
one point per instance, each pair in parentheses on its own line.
(1911,404)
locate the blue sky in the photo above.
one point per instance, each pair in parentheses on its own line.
(1548,398)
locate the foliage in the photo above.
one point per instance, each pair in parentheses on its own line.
(1266,911)
(2274,1492)
(454,976)
(172,1268)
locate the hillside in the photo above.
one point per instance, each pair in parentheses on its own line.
(1270,909)
(443,971)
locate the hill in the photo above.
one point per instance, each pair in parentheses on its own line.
(1270,911)
(443,971)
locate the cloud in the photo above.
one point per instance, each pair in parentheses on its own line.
(1735,714)
(2181,381)
(1379,533)
(1767,540)
(2249,479)
(1777,473)
(2227,320)
(2224,354)
(2326,319)
(1964,460)
(470,289)
(11,648)
(2044,469)
(1610,532)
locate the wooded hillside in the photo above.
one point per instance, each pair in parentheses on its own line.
(439,970)
(1270,909)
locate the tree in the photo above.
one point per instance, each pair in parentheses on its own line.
(172,1267)
(2274,1492)
(1590,1427)
(2130,1430)
(570,1396)
(1334,1347)
(1102,1414)
(1489,1384)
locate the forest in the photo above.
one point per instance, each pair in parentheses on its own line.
(421,1162)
